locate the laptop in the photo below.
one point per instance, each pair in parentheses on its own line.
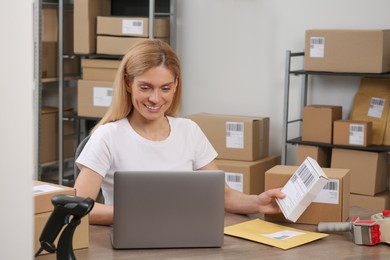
(168,209)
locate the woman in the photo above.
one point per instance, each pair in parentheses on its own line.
(139,132)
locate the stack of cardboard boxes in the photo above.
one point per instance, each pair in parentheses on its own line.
(369,175)
(242,145)
(49,41)
(97,32)
(369,120)
(43,207)
(95,89)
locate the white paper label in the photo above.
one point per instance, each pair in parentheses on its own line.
(376,107)
(317,47)
(132,26)
(330,193)
(235,180)
(44,188)
(102,97)
(235,135)
(356,134)
(283,235)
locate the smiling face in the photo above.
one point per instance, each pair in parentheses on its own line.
(152,93)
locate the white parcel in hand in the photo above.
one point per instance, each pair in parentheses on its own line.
(301,189)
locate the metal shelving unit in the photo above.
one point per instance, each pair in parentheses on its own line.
(287,122)
(81,120)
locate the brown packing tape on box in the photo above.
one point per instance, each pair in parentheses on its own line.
(377,90)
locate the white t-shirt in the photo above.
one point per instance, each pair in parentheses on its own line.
(116,146)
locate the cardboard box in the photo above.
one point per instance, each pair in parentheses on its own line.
(317,125)
(49,136)
(49,65)
(85,15)
(93,97)
(115,45)
(235,137)
(368,169)
(331,205)
(347,51)
(321,154)
(43,192)
(372,103)
(247,177)
(352,132)
(303,186)
(49,21)
(99,69)
(131,26)
(376,203)
(80,236)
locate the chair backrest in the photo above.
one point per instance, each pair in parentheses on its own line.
(79,149)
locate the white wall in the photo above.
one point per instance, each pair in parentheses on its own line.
(16,130)
(233,53)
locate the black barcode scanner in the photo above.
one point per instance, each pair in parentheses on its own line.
(68,210)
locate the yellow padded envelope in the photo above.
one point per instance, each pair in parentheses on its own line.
(272,234)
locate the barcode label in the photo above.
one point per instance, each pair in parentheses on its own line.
(317,47)
(355,128)
(316,40)
(102,96)
(132,26)
(137,23)
(330,193)
(331,185)
(306,176)
(233,126)
(235,135)
(235,180)
(356,134)
(376,107)
(377,102)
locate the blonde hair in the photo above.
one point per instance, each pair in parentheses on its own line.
(141,57)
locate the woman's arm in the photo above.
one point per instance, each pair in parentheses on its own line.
(238,202)
(88,184)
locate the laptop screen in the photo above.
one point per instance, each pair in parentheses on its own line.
(168,209)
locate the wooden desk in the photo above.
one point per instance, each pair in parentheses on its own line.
(335,246)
